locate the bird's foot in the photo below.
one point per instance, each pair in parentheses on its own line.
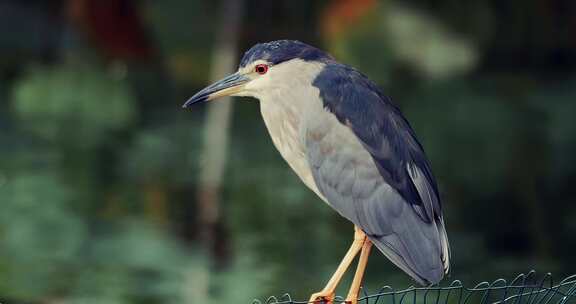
(351,300)
(322,297)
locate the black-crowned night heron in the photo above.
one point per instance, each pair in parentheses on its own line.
(350,145)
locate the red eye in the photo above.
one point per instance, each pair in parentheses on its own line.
(261,69)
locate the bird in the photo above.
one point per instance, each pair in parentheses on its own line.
(350,144)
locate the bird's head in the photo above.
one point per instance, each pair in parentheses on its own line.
(258,69)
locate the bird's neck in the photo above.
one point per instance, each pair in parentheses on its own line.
(287,107)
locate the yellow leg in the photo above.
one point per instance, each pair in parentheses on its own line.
(352,297)
(328,293)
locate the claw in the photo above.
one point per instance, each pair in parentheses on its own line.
(322,297)
(351,301)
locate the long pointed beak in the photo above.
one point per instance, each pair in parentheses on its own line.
(225,87)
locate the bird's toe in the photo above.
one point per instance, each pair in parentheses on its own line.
(322,297)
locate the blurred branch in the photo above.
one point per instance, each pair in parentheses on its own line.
(214,154)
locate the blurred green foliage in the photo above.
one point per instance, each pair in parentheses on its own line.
(99,165)
(48,101)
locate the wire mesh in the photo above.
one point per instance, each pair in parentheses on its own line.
(524,289)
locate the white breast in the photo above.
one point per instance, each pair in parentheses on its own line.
(285,128)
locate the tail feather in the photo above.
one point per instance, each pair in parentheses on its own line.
(445,245)
(422,251)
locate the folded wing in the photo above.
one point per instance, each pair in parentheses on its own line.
(368,165)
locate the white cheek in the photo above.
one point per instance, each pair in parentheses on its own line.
(282,79)
(257,85)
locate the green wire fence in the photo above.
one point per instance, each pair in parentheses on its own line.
(524,289)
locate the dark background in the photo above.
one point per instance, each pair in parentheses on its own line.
(102,196)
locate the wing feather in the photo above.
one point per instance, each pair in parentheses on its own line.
(368,165)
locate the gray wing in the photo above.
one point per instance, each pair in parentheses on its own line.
(368,165)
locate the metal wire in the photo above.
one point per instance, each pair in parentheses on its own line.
(524,289)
